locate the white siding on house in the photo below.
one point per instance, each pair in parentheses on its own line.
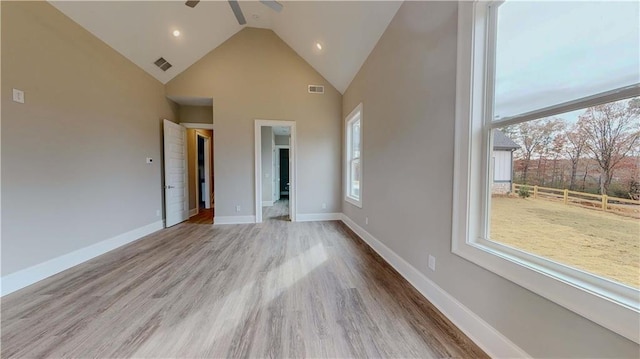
(501,165)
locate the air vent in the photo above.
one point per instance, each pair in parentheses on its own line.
(163,64)
(316,89)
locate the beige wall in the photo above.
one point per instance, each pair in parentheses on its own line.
(73,156)
(407,86)
(192,164)
(195,114)
(266,141)
(255,75)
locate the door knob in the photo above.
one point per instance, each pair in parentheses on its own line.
(170,187)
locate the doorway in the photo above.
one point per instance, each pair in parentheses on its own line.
(201,175)
(275,170)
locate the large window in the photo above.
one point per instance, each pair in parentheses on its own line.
(547,174)
(353,136)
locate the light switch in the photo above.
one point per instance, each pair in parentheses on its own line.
(18,96)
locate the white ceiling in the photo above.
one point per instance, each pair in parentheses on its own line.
(142,30)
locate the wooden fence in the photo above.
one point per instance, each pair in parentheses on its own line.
(623,206)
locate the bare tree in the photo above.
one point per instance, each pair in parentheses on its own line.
(557,149)
(535,137)
(576,141)
(611,130)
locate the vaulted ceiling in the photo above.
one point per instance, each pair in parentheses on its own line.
(142,31)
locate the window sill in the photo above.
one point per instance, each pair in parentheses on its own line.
(353,201)
(618,312)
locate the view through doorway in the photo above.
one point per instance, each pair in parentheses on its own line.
(201,176)
(275,180)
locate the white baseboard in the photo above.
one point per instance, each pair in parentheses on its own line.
(484,335)
(234,220)
(313,217)
(267,203)
(20,279)
(193,212)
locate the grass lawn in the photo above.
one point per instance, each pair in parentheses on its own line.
(605,244)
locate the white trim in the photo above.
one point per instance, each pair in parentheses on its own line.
(234,220)
(293,184)
(193,212)
(347,155)
(198,126)
(314,217)
(20,279)
(611,305)
(267,203)
(480,332)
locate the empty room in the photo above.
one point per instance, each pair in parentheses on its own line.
(320,179)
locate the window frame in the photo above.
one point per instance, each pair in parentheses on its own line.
(355,115)
(610,304)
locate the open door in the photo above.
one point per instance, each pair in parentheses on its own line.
(176,190)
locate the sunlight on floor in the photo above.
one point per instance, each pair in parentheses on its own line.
(214,326)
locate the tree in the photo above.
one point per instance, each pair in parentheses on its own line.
(576,141)
(557,149)
(611,130)
(535,137)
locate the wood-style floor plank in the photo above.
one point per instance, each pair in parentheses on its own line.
(277,289)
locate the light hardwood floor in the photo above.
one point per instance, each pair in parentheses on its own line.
(277,289)
(278,212)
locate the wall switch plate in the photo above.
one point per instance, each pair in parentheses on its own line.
(157,213)
(18,96)
(432,262)
(324,206)
(149,160)
(238,208)
(366,220)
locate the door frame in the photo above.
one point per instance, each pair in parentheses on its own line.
(207,170)
(258,166)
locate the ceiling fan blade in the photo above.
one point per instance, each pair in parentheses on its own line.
(192,3)
(273,4)
(237,11)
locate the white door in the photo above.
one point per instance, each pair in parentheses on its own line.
(176,190)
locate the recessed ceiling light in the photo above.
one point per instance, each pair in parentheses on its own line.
(176,33)
(318,46)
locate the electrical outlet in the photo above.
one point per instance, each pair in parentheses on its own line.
(149,160)
(324,206)
(432,262)
(366,220)
(238,208)
(18,96)
(157,213)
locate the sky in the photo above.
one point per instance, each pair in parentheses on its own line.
(553,52)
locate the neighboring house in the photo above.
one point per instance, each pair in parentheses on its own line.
(502,161)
